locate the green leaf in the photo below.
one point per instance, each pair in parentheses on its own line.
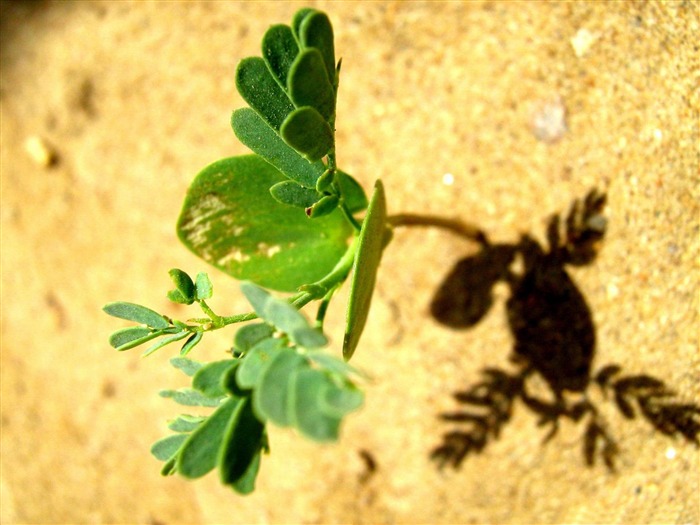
(254,133)
(132,334)
(261,91)
(200,452)
(246,483)
(177,297)
(256,362)
(242,443)
(307,132)
(165,341)
(292,194)
(191,343)
(298,19)
(190,397)
(203,286)
(323,207)
(309,418)
(316,31)
(186,365)
(250,335)
(166,448)
(183,283)
(334,365)
(136,313)
(185,423)
(337,401)
(230,220)
(271,398)
(208,379)
(279,49)
(369,253)
(310,85)
(353,195)
(283,316)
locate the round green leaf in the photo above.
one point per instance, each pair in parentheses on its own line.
(250,335)
(242,443)
(310,85)
(307,132)
(292,194)
(261,91)
(133,334)
(208,379)
(369,253)
(316,31)
(309,418)
(271,399)
(230,220)
(279,49)
(256,362)
(183,283)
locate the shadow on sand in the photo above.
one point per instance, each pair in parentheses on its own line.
(554,345)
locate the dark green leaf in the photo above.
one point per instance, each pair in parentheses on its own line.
(230,220)
(185,423)
(309,418)
(310,85)
(323,207)
(279,49)
(166,448)
(353,195)
(369,253)
(271,398)
(136,313)
(250,335)
(208,379)
(325,181)
(188,366)
(169,467)
(203,287)
(298,18)
(246,483)
(254,133)
(316,31)
(130,335)
(292,194)
(261,91)
(183,283)
(191,343)
(200,452)
(256,361)
(165,341)
(177,297)
(306,131)
(242,443)
(283,316)
(190,397)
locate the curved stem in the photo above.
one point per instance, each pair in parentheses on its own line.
(466,230)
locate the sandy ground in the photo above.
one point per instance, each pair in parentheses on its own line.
(458,107)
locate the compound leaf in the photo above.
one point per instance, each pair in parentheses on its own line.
(369,253)
(230,220)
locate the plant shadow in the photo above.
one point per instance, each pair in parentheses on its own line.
(554,336)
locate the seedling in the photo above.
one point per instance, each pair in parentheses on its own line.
(283,219)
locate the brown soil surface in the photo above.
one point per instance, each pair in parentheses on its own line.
(458,107)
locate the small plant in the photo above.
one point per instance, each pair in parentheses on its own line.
(284,218)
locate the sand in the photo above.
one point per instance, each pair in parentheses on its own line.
(496,113)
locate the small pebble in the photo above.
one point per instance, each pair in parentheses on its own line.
(40,151)
(582,41)
(549,121)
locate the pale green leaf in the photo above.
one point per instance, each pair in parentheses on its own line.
(136,313)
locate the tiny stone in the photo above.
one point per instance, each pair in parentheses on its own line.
(671,453)
(582,41)
(40,151)
(549,122)
(612,291)
(448,179)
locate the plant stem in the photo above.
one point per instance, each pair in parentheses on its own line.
(468,231)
